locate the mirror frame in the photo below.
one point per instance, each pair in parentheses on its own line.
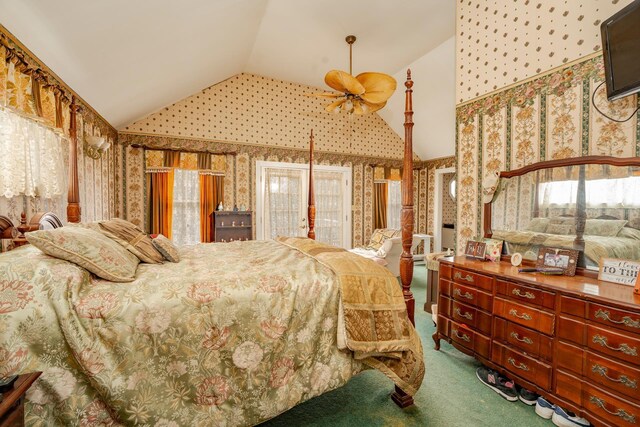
(575,161)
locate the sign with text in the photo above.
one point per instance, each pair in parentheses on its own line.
(620,271)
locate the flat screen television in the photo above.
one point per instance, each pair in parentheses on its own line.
(621,51)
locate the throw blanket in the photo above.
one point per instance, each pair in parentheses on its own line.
(372,321)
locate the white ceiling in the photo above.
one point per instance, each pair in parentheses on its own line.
(130,58)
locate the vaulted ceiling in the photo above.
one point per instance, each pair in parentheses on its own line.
(130,58)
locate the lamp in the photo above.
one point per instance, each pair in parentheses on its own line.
(95,146)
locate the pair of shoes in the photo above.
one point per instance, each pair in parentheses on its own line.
(559,416)
(501,385)
(527,397)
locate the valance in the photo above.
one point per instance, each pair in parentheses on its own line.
(209,164)
(385,173)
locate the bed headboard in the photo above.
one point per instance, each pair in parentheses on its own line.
(39,221)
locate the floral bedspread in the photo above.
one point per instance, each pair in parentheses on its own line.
(233,334)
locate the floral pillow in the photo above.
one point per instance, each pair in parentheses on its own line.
(539,225)
(564,229)
(604,227)
(166,248)
(132,238)
(89,249)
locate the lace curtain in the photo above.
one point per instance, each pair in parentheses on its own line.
(185,229)
(329,195)
(600,193)
(283,196)
(394,204)
(32,163)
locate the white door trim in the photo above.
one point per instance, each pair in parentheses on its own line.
(437,207)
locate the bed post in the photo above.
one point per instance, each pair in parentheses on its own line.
(73,197)
(401,398)
(311,211)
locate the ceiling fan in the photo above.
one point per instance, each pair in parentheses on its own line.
(364,93)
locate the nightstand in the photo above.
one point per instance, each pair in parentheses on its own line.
(12,404)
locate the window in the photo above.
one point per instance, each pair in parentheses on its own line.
(186,207)
(599,193)
(394,204)
(452,189)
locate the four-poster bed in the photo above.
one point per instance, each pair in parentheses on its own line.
(191,317)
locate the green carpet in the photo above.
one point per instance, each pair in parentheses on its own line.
(450,395)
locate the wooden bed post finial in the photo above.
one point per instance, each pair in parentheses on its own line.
(399,397)
(312,199)
(73,197)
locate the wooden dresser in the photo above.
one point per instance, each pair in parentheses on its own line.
(229,226)
(574,340)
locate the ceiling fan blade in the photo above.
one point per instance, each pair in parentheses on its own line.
(378,87)
(372,108)
(328,95)
(335,104)
(343,82)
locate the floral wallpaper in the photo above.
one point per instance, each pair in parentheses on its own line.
(549,117)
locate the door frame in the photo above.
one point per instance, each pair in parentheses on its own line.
(347,172)
(437,206)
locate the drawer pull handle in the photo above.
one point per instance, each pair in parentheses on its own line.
(521,366)
(468,277)
(465,315)
(630,418)
(527,294)
(463,337)
(466,295)
(602,371)
(626,320)
(625,348)
(524,316)
(523,339)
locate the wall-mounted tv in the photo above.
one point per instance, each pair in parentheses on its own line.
(621,49)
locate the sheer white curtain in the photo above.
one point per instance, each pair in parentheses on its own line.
(394,204)
(329,195)
(599,193)
(283,202)
(185,229)
(32,163)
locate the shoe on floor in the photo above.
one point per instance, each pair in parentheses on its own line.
(527,397)
(544,408)
(501,385)
(564,418)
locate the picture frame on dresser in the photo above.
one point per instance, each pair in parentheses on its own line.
(566,259)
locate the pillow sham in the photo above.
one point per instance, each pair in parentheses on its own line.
(380,235)
(539,225)
(563,229)
(166,248)
(604,227)
(133,239)
(629,233)
(89,249)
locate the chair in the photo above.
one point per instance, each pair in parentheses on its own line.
(385,248)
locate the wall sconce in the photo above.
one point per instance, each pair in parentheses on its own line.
(95,146)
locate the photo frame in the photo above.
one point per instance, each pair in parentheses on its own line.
(566,259)
(475,249)
(494,249)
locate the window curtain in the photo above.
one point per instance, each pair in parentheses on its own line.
(32,163)
(211,193)
(160,202)
(329,196)
(380,205)
(283,195)
(394,204)
(185,227)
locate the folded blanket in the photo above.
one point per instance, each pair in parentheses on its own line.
(373,320)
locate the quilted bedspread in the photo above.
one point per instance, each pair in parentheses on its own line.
(234,334)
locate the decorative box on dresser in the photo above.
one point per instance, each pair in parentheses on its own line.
(229,226)
(574,340)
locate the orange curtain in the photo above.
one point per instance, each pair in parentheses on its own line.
(380,205)
(211,193)
(160,202)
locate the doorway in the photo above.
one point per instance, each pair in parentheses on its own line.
(444,222)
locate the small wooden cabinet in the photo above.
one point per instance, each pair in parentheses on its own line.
(231,226)
(574,340)
(12,404)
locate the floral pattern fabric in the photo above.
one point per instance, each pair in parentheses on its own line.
(234,334)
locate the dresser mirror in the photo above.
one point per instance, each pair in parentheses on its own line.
(589,203)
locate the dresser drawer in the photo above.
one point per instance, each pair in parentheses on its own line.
(615,317)
(445,271)
(444,306)
(529,341)
(612,374)
(472,279)
(522,365)
(569,357)
(618,345)
(569,387)
(472,317)
(470,339)
(526,294)
(444,325)
(533,318)
(613,409)
(444,287)
(472,296)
